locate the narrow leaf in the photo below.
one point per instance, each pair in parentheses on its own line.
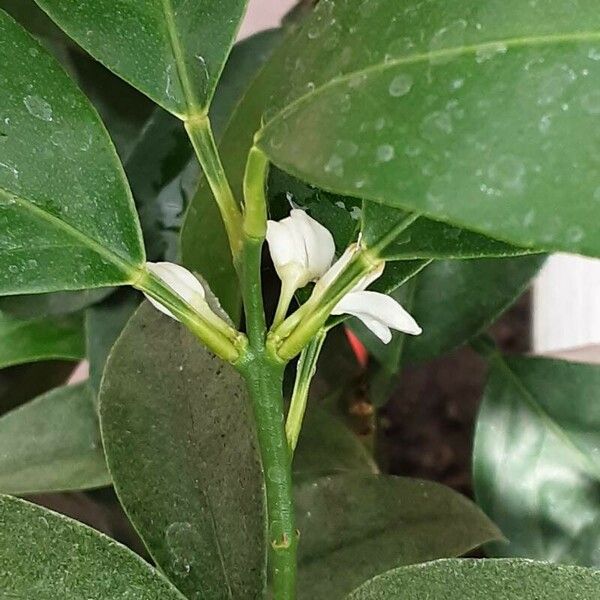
(42,339)
(46,555)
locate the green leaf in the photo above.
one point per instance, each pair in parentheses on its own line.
(55,304)
(45,555)
(480,115)
(326,446)
(354,526)
(103,325)
(477,579)
(41,339)
(181,448)
(53,444)
(171,50)
(536,464)
(475,293)
(399,235)
(204,245)
(66,214)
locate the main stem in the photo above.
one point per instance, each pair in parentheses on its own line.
(263,372)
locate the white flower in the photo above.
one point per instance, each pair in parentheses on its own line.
(182,282)
(301,248)
(378,312)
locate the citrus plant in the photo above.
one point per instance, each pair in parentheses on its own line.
(398,169)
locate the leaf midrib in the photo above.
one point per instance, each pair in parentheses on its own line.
(446,53)
(193,104)
(128,268)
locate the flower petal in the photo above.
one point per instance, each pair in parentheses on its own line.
(333,272)
(283,246)
(378,307)
(382,331)
(318,243)
(181,281)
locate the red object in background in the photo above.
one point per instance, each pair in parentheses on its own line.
(362,356)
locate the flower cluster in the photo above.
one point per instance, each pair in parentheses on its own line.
(304,251)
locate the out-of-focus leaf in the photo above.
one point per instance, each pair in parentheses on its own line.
(53,444)
(536,459)
(354,526)
(42,339)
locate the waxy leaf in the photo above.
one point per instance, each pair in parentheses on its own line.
(172,50)
(53,444)
(46,555)
(482,115)
(478,579)
(42,339)
(354,526)
(67,220)
(536,463)
(181,449)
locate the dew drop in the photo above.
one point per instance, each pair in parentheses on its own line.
(335,165)
(489,51)
(447,37)
(401,85)
(38,108)
(594,54)
(183,542)
(591,102)
(13,269)
(385,153)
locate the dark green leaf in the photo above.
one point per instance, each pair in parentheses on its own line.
(103,325)
(478,579)
(456,300)
(483,115)
(41,339)
(33,306)
(172,50)
(204,245)
(182,452)
(354,526)
(44,555)
(66,214)
(52,444)
(326,445)
(536,463)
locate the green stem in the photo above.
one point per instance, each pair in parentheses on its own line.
(263,372)
(219,337)
(305,371)
(201,136)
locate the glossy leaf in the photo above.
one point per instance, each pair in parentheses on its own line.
(460,111)
(52,444)
(456,300)
(181,448)
(395,231)
(46,555)
(354,526)
(172,50)
(326,445)
(536,464)
(103,325)
(42,339)
(204,245)
(66,214)
(477,579)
